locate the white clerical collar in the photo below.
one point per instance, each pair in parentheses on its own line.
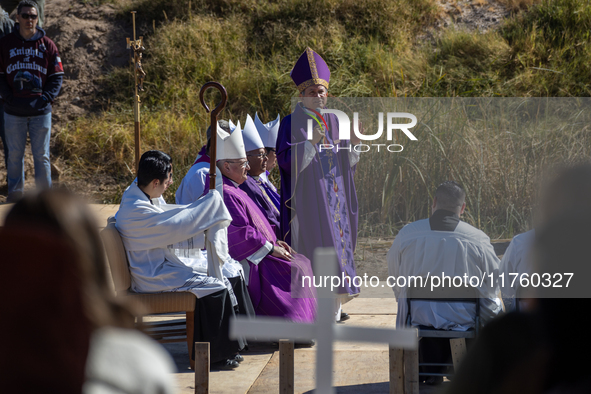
(235,184)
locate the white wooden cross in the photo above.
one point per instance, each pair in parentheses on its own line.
(324,331)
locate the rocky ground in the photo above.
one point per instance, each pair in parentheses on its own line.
(471,15)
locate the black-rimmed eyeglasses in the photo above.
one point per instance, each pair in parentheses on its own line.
(259,155)
(243,164)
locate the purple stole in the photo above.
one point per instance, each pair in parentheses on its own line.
(272,192)
(263,201)
(322,195)
(274,285)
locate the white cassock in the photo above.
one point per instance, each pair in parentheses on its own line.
(193,184)
(516,260)
(418,250)
(163,243)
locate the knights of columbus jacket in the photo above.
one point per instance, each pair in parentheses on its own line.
(31,73)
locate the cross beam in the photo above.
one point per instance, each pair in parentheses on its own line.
(324,330)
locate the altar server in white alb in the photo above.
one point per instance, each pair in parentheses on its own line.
(193,184)
(164,247)
(268,133)
(516,261)
(445,244)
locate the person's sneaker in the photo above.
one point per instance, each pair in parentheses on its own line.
(228,364)
(238,358)
(309,343)
(344,316)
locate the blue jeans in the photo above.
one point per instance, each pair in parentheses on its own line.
(39,130)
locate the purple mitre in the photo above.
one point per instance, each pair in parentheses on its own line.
(310,69)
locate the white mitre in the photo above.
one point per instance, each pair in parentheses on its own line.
(230,146)
(267,131)
(232,125)
(252,140)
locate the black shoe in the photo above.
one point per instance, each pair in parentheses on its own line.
(344,316)
(228,364)
(434,380)
(238,358)
(309,343)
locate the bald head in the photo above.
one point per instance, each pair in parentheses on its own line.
(224,124)
(450,196)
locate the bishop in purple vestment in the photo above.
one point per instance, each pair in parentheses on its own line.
(273,270)
(255,185)
(268,133)
(318,197)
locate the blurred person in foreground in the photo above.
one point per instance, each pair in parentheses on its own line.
(540,351)
(444,244)
(63,330)
(164,245)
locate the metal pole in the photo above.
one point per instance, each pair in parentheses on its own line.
(136,45)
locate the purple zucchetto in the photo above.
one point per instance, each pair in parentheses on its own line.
(310,69)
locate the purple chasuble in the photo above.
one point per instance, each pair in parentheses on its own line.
(321,197)
(272,281)
(252,187)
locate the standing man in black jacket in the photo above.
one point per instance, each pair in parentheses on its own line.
(31,75)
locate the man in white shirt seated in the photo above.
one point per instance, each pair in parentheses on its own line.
(444,245)
(516,262)
(193,184)
(164,247)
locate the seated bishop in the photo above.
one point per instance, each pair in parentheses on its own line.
(254,185)
(193,184)
(273,270)
(164,246)
(268,133)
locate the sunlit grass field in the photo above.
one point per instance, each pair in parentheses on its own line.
(374,48)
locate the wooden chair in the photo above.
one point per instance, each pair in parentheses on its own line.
(457,339)
(149,303)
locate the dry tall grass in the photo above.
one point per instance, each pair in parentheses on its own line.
(496,147)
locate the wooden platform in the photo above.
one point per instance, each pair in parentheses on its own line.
(358,367)
(101,211)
